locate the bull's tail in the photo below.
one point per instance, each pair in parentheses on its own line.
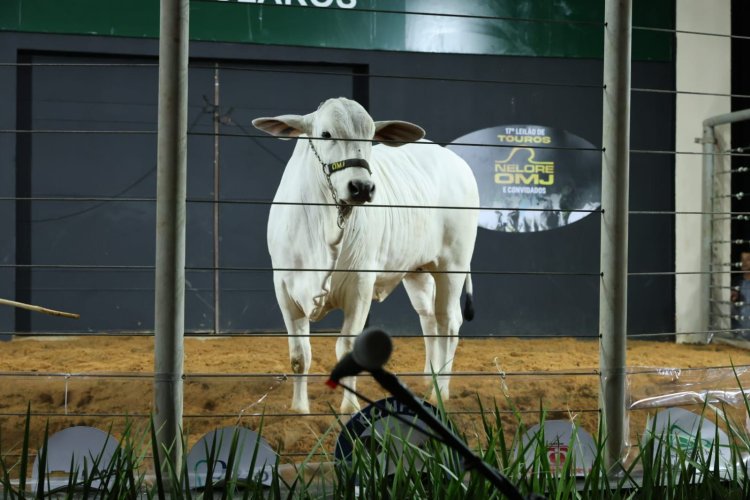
(469,300)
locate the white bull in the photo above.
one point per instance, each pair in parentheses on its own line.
(343,256)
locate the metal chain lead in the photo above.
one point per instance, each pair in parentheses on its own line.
(343,210)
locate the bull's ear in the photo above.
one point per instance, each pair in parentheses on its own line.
(394,130)
(284,126)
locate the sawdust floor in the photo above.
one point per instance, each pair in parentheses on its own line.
(555,374)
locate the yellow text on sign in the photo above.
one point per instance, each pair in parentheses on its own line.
(529,172)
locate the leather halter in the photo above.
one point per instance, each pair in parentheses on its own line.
(331,168)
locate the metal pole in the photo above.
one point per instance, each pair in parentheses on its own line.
(217,187)
(170,229)
(708,141)
(614,225)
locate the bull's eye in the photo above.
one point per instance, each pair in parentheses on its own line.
(326,135)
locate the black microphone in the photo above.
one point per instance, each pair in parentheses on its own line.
(370,352)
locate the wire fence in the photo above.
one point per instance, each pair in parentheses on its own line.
(222,115)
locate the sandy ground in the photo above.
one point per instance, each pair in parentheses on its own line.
(229,380)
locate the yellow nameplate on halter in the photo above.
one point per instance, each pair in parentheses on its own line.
(337,165)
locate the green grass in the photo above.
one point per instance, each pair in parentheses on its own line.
(661,467)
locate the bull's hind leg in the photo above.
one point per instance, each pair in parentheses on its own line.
(420,287)
(300,352)
(449,319)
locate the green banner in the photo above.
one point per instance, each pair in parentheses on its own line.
(545,28)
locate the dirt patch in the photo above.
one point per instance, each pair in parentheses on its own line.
(86,380)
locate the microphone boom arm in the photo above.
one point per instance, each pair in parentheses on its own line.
(392,384)
(370,352)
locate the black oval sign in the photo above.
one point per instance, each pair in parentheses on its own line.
(531,177)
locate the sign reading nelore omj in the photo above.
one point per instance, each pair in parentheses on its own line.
(531,177)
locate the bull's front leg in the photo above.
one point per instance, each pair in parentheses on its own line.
(300,352)
(355,316)
(300,356)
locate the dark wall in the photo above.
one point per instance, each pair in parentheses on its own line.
(261,81)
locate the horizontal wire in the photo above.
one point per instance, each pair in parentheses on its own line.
(533,376)
(349,74)
(103,199)
(192,289)
(284,203)
(267,137)
(270,137)
(81,267)
(680,273)
(644,370)
(19,64)
(105,267)
(212,334)
(281,377)
(669,334)
(685,212)
(188,377)
(93,199)
(279,414)
(195,377)
(98,199)
(689,92)
(473,272)
(697,153)
(87,132)
(689,32)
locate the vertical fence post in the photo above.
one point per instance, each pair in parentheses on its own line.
(217,197)
(614,224)
(709,143)
(171,169)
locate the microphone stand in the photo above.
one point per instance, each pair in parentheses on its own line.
(392,384)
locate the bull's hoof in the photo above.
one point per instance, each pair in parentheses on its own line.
(433,399)
(303,408)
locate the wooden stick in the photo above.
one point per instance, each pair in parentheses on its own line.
(30,307)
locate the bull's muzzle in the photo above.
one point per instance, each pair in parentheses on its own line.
(361,191)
